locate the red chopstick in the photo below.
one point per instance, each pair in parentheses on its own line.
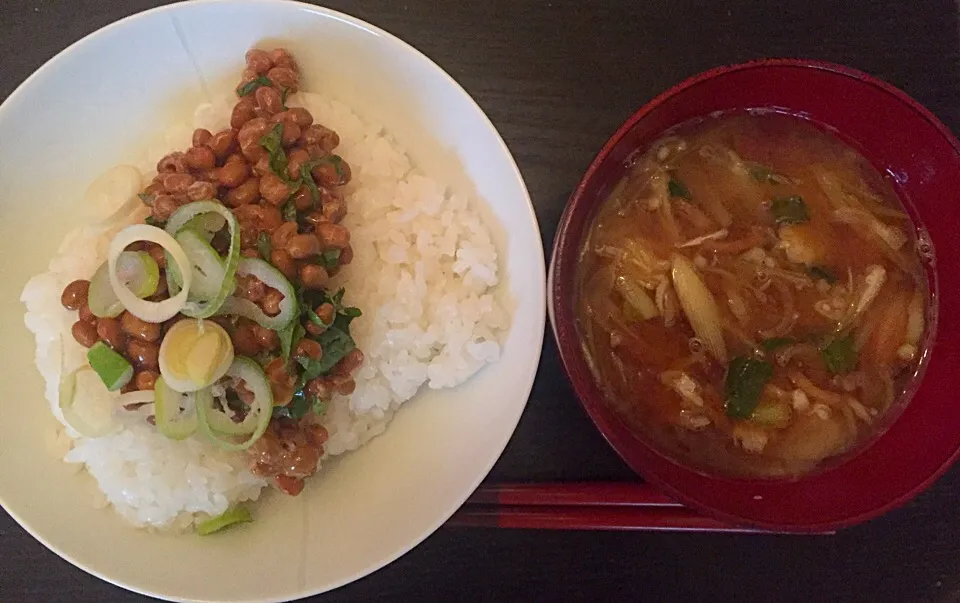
(663,519)
(583,506)
(607,494)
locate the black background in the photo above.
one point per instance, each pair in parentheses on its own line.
(557,78)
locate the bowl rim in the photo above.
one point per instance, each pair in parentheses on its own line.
(402,46)
(571,351)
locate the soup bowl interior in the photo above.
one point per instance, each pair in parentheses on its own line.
(919,157)
(99,103)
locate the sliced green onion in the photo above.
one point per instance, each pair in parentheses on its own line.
(176,413)
(220,422)
(194,355)
(229,518)
(85,404)
(208,267)
(145,310)
(207,224)
(915,318)
(254,380)
(113,194)
(186,214)
(775,414)
(271,277)
(137,270)
(699,306)
(196,214)
(114,370)
(637,298)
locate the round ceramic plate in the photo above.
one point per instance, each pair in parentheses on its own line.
(93,105)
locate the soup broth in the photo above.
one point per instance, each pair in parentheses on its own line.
(750,296)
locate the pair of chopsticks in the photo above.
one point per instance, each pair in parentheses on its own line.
(582,506)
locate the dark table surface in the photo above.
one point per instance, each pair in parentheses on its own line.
(557,78)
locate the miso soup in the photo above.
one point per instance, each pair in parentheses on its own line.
(750,296)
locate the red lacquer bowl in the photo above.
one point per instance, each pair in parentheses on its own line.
(921,158)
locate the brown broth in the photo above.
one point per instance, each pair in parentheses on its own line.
(790,230)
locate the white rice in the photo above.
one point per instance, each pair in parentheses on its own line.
(424,273)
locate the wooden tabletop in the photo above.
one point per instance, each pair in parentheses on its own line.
(557,78)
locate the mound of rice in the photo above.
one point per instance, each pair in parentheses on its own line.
(424,273)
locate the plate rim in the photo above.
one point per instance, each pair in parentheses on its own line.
(540,265)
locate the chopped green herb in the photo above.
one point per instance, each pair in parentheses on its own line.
(775,343)
(286,339)
(337,343)
(839,355)
(229,518)
(789,210)
(351,312)
(151,221)
(300,405)
(272,143)
(289,211)
(319,407)
(335,340)
(348,312)
(819,272)
(329,258)
(264,358)
(284,93)
(746,378)
(147,199)
(762,173)
(251,86)
(676,188)
(297,408)
(298,333)
(306,305)
(307,178)
(263,246)
(290,336)
(314,318)
(337,162)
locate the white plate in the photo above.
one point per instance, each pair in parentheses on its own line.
(95,103)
